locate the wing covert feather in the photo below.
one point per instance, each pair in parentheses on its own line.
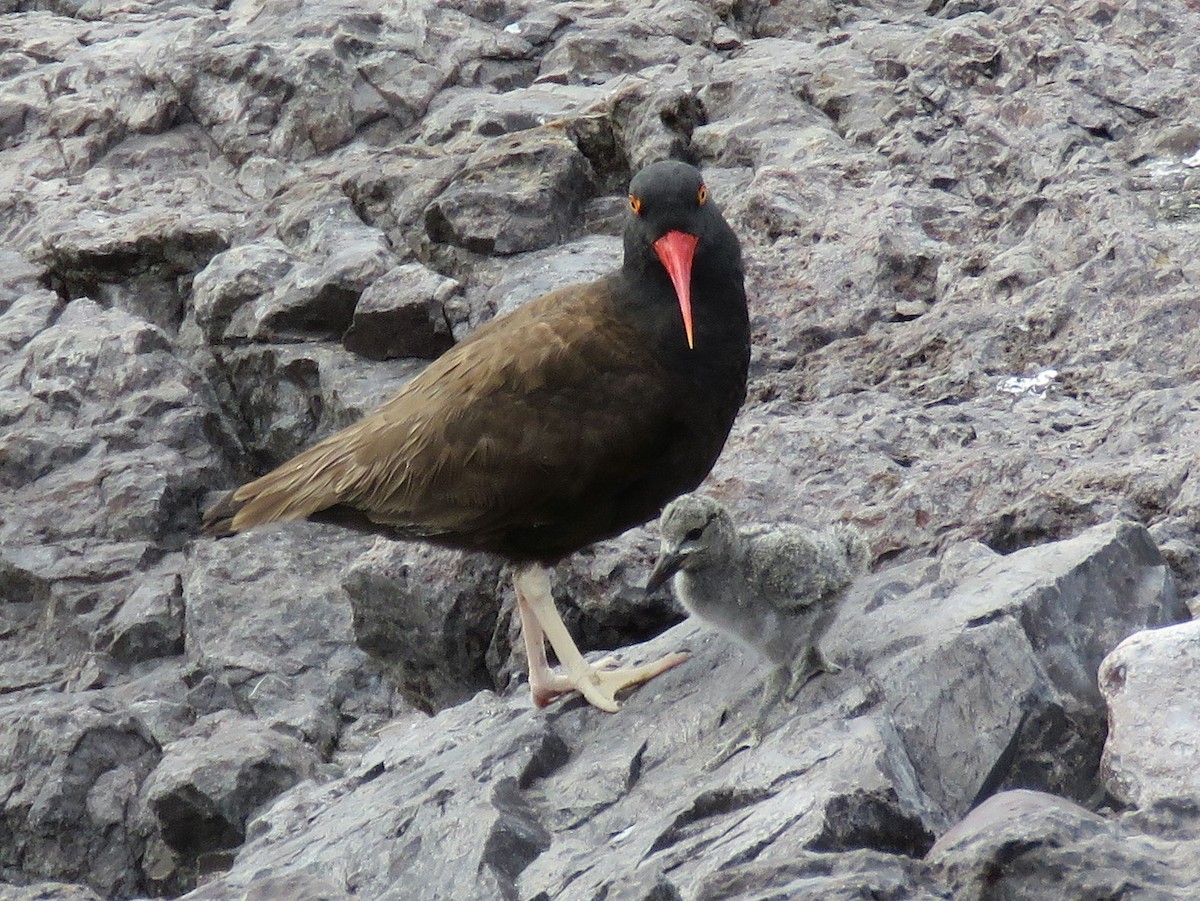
(797,567)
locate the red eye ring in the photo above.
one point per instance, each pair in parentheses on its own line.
(702,195)
(635,204)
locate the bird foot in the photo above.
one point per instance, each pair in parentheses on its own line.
(793,687)
(548,686)
(540,622)
(823,663)
(814,664)
(747,740)
(600,682)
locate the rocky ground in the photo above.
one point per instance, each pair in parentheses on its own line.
(972,233)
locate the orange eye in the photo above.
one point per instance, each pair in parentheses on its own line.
(635,204)
(702,195)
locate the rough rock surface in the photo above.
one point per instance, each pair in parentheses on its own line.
(972,237)
(883,757)
(1029,845)
(1154,737)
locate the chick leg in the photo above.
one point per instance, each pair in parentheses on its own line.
(812,662)
(775,688)
(540,622)
(782,684)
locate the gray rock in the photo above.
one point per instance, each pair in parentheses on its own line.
(293,394)
(103,248)
(303,887)
(61,388)
(392,188)
(516,193)
(305,283)
(464,118)
(209,782)
(1029,845)
(71,772)
(531,275)
(27,308)
(1037,621)
(429,614)
(402,314)
(814,876)
(109,439)
(399,832)
(150,622)
(593,51)
(654,119)
(48,891)
(850,765)
(238,276)
(286,646)
(1147,682)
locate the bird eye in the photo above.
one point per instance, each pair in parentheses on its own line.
(635,204)
(694,534)
(702,195)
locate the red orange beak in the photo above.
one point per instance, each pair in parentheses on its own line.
(675,250)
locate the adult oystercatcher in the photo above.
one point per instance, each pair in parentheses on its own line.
(567,421)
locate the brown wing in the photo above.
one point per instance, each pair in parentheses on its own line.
(510,428)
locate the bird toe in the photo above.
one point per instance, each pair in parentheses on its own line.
(746,740)
(600,685)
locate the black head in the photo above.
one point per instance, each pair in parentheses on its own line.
(665,196)
(672,196)
(676,235)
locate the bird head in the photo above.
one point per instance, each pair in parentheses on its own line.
(695,532)
(670,216)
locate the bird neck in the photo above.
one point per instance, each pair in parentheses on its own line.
(722,597)
(647,299)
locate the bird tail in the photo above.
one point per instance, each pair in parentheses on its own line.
(218,519)
(310,482)
(858,552)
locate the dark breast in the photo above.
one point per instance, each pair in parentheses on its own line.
(624,426)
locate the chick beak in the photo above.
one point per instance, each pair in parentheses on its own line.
(667,565)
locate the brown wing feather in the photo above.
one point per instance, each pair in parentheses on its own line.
(489,436)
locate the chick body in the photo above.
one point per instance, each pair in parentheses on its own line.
(774,588)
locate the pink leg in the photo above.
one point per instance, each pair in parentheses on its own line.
(545,684)
(540,620)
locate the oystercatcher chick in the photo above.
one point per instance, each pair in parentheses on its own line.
(773,588)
